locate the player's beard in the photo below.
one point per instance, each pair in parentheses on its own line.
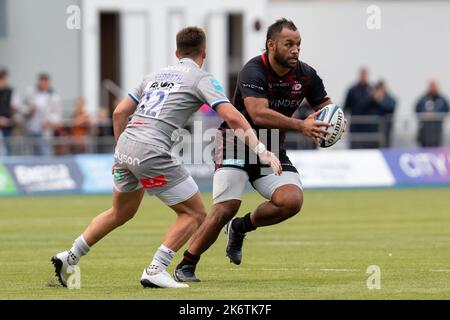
(281,60)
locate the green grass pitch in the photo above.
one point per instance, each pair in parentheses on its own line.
(322,253)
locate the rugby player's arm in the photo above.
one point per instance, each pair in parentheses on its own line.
(323,104)
(244,132)
(235,121)
(263,116)
(120,115)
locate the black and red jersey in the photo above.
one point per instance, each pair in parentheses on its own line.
(284,93)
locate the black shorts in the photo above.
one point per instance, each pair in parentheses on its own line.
(228,155)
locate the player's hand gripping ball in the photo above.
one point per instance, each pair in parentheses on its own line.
(335,116)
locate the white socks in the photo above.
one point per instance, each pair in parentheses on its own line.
(79,249)
(161,260)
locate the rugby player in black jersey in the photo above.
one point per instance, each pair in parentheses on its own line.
(270,88)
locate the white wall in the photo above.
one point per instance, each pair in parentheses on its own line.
(412,46)
(134,51)
(156,43)
(38,40)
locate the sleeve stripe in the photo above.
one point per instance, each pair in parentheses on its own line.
(216,103)
(133,97)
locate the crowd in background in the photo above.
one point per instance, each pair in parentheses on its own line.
(371,109)
(37,119)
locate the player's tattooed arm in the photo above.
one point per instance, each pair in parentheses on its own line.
(323,104)
(263,116)
(120,116)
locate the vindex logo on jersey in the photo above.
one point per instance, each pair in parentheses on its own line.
(285,103)
(211,145)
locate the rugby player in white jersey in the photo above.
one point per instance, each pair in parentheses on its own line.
(162,103)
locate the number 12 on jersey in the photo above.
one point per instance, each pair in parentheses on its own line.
(155,96)
(152,103)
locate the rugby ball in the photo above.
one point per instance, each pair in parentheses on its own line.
(335,116)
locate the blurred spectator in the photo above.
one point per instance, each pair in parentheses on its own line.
(358,96)
(8,107)
(431,109)
(42,114)
(381,104)
(80,127)
(103,130)
(103,123)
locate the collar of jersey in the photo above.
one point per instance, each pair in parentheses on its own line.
(190,61)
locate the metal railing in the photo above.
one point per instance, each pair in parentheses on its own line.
(398,131)
(110,88)
(362,132)
(55,146)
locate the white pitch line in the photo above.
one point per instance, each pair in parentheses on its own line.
(287,269)
(339,270)
(294,243)
(262,269)
(440,270)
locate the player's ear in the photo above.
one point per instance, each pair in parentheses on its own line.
(270,44)
(177,53)
(204,53)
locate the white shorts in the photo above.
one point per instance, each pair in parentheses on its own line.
(229,183)
(175,195)
(139,165)
(181,192)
